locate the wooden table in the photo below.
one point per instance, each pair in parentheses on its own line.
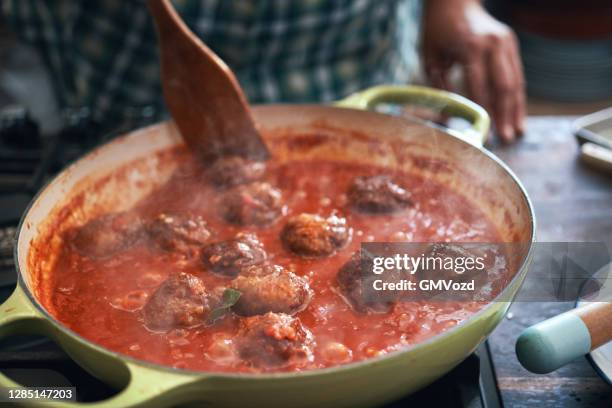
(572,203)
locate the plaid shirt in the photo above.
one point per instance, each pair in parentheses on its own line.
(102,54)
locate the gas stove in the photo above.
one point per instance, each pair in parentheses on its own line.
(28,159)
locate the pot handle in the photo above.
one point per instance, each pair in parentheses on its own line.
(553,343)
(442,101)
(145,386)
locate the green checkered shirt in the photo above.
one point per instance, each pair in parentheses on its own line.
(102,54)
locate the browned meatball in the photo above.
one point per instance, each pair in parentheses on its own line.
(181,233)
(232,171)
(310,235)
(355,283)
(229,257)
(254,204)
(377,194)
(278,291)
(108,234)
(180,301)
(274,340)
(261,269)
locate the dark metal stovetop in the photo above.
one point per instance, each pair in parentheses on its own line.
(27,160)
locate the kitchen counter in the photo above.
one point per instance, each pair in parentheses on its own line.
(572,203)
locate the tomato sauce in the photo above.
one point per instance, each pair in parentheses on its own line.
(101,299)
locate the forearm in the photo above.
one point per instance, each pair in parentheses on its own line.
(450,3)
(433,5)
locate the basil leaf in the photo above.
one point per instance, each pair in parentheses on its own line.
(229,299)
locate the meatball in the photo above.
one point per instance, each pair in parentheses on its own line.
(356,285)
(178,232)
(277,291)
(377,194)
(229,257)
(261,269)
(181,301)
(274,340)
(254,204)
(310,235)
(228,172)
(108,234)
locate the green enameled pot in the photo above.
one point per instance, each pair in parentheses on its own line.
(456,159)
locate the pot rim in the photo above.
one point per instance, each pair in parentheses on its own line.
(521,271)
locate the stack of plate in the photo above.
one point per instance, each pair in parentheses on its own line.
(567,70)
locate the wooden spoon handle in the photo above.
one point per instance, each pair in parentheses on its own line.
(551,344)
(597,317)
(202,93)
(166,18)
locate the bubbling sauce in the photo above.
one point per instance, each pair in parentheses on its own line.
(102,298)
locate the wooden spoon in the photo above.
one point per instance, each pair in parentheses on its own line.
(201,92)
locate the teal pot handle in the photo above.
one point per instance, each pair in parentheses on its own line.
(555,342)
(143,385)
(551,344)
(442,101)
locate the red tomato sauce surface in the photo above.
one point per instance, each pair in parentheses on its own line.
(102,299)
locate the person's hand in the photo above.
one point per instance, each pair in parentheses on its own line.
(462,32)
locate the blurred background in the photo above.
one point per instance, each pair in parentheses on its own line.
(566,48)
